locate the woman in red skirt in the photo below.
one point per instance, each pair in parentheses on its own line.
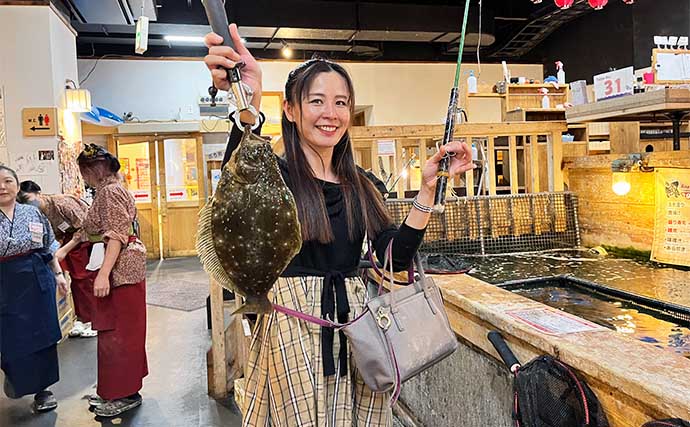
(119,286)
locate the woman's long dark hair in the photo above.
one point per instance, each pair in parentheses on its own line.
(362,200)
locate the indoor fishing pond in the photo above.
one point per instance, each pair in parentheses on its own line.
(629,296)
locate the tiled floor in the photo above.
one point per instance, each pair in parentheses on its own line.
(175,392)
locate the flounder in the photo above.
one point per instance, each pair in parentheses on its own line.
(249,231)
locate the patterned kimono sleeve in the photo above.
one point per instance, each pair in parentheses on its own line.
(73,210)
(116,223)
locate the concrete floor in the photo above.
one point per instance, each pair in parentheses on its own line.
(175,392)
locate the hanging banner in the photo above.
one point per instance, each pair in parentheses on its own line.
(672,220)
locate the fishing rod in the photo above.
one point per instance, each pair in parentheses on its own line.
(444,165)
(215,12)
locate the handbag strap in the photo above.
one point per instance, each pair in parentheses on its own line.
(375,267)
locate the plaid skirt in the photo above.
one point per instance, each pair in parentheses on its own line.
(284,380)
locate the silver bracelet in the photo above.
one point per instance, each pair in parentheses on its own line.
(421,207)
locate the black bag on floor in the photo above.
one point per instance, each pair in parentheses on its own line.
(547,393)
(670,422)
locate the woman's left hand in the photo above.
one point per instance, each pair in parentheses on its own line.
(459,163)
(61,284)
(101,286)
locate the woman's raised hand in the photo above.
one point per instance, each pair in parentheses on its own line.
(460,161)
(222,57)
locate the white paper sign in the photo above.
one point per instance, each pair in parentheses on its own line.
(554,322)
(614,84)
(386,147)
(176,195)
(141,195)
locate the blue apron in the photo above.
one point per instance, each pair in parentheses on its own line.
(29,326)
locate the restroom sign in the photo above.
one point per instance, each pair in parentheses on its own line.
(39,121)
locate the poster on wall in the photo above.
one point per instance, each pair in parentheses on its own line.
(672,218)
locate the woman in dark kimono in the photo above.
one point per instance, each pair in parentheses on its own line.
(119,286)
(29,274)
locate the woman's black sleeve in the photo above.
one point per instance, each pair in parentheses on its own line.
(235,136)
(406,240)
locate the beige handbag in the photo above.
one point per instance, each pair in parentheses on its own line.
(398,334)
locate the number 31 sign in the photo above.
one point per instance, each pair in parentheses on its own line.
(614,84)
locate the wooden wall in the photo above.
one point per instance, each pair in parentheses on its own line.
(609,219)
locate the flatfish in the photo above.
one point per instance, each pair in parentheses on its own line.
(249,231)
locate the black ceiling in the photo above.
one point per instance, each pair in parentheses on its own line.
(383,30)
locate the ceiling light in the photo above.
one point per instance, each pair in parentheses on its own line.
(286,51)
(185,39)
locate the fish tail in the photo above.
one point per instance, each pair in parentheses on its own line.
(207,251)
(258,305)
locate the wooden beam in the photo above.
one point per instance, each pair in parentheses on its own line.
(465,129)
(218,388)
(512,156)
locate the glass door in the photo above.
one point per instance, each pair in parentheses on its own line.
(137,157)
(182,190)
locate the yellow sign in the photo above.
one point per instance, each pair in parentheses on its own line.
(672,219)
(39,121)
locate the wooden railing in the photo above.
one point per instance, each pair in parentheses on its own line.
(517,148)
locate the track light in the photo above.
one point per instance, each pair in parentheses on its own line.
(286,51)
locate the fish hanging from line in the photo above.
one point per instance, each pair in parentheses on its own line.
(249,231)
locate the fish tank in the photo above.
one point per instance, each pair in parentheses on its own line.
(658,323)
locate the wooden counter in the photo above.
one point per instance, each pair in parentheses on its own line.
(633,381)
(638,107)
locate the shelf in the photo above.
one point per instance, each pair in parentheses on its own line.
(485,95)
(538,85)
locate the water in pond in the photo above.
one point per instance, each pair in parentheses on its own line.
(622,316)
(639,277)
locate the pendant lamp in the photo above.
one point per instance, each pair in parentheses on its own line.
(564,4)
(598,4)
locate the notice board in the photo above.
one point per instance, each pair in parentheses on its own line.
(672,219)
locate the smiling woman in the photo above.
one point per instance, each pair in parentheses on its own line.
(338,204)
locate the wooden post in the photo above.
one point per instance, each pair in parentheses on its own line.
(512,156)
(469,183)
(492,165)
(400,186)
(554,150)
(374,153)
(218,387)
(534,163)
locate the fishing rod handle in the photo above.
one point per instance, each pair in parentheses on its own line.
(444,165)
(502,348)
(215,12)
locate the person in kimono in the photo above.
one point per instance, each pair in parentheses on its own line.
(29,275)
(119,286)
(66,214)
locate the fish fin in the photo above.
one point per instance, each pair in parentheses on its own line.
(260,305)
(207,251)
